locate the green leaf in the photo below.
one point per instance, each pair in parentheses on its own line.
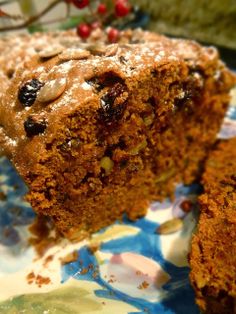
(71,22)
(35,28)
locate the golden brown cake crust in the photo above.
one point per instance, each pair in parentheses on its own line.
(213,255)
(100,130)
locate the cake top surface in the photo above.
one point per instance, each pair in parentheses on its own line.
(17,49)
(58,72)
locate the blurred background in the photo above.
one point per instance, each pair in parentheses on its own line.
(207,21)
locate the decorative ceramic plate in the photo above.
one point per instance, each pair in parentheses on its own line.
(133,270)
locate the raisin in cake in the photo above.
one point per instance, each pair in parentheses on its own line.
(213,255)
(99,130)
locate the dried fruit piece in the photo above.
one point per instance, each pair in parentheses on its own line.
(34,126)
(95,83)
(109,111)
(52,51)
(52,90)
(170,226)
(28,92)
(107,164)
(107,79)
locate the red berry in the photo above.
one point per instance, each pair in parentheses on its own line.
(122,8)
(102,8)
(83,30)
(113,35)
(81,3)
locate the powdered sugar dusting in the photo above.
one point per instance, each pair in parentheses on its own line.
(52,90)
(158,58)
(86,86)
(4,139)
(172,58)
(64,72)
(39,70)
(162,53)
(63,68)
(12,142)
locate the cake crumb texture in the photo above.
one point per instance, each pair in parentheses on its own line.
(213,252)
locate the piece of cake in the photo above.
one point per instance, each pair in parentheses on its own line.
(99,130)
(213,254)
